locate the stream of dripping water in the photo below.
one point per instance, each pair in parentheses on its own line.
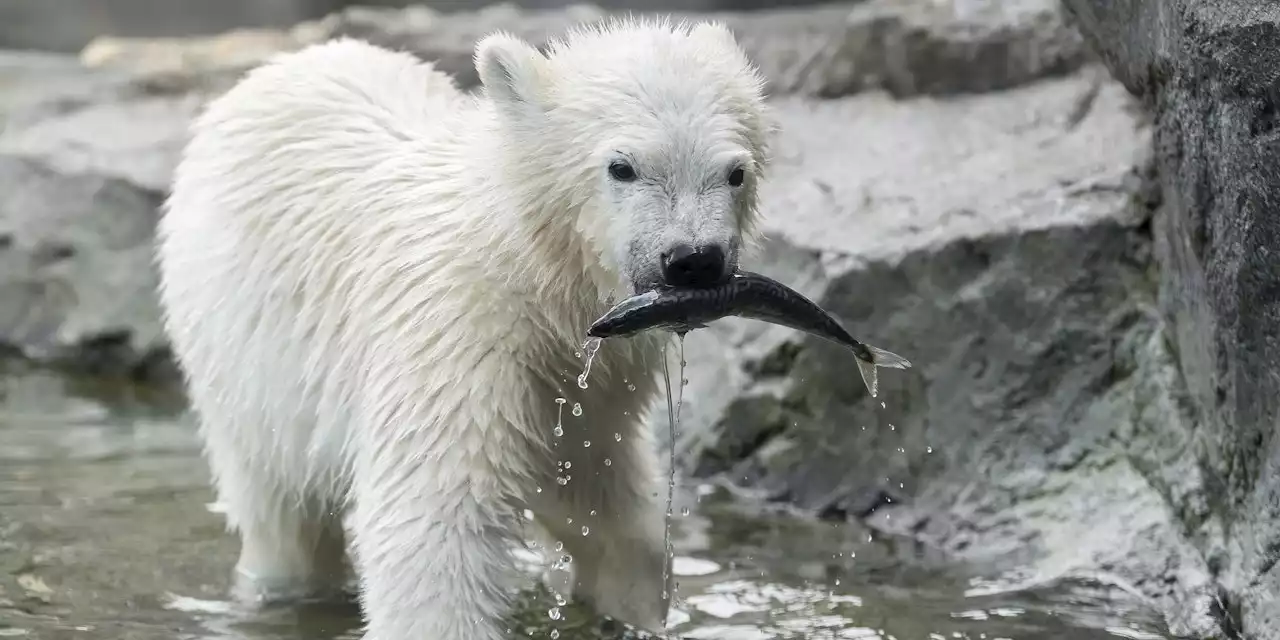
(673,422)
(674,404)
(590,347)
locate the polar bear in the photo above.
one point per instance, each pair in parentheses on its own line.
(375,285)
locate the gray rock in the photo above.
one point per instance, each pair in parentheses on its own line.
(75,257)
(1210,70)
(66,25)
(908,47)
(85,161)
(1002,243)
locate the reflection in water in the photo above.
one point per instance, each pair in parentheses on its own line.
(107,532)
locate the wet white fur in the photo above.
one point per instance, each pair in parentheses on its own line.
(376,284)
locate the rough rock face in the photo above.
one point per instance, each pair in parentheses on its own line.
(1003,244)
(905,46)
(952,179)
(1211,72)
(85,160)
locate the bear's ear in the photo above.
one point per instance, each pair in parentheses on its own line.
(511,71)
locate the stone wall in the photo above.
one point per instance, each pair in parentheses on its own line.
(1210,72)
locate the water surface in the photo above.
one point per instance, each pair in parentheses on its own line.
(107,533)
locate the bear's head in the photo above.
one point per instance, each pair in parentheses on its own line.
(648,139)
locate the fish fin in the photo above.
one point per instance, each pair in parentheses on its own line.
(879,358)
(887,359)
(869,377)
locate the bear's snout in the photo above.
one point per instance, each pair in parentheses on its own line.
(686,266)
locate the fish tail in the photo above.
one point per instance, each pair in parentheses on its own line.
(887,359)
(878,358)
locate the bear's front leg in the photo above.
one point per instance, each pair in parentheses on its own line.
(611,517)
(433,552)
(434,480)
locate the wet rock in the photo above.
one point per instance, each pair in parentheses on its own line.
(85,161)
(1003,244)
(75,277)
(1211,73)
(906,46)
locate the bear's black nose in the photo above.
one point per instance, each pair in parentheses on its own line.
(684,266)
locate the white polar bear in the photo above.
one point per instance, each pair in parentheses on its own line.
(375,285)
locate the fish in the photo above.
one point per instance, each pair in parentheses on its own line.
(746,295)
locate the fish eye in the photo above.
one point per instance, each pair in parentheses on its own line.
(621,171)
(737,176)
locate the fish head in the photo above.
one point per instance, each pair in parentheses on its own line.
(627,317)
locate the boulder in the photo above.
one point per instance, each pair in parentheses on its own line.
(1210,71)
(1003,243)
(85,161)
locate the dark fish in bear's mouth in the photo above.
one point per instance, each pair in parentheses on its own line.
(747,295)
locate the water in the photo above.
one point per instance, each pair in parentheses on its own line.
(107,533)
(674,403)
(590,348)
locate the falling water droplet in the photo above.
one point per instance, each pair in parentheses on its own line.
(554,613)
(928,449)
(684,511)
(555,634)
(585,529)
(568,465)
(586,443)
(591,347)
(577,410)
(539,489)
(631,387)
(608,462)
(559,546)
(617,437)
(559,430)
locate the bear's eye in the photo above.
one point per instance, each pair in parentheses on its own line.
(621,171)
(736,177)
